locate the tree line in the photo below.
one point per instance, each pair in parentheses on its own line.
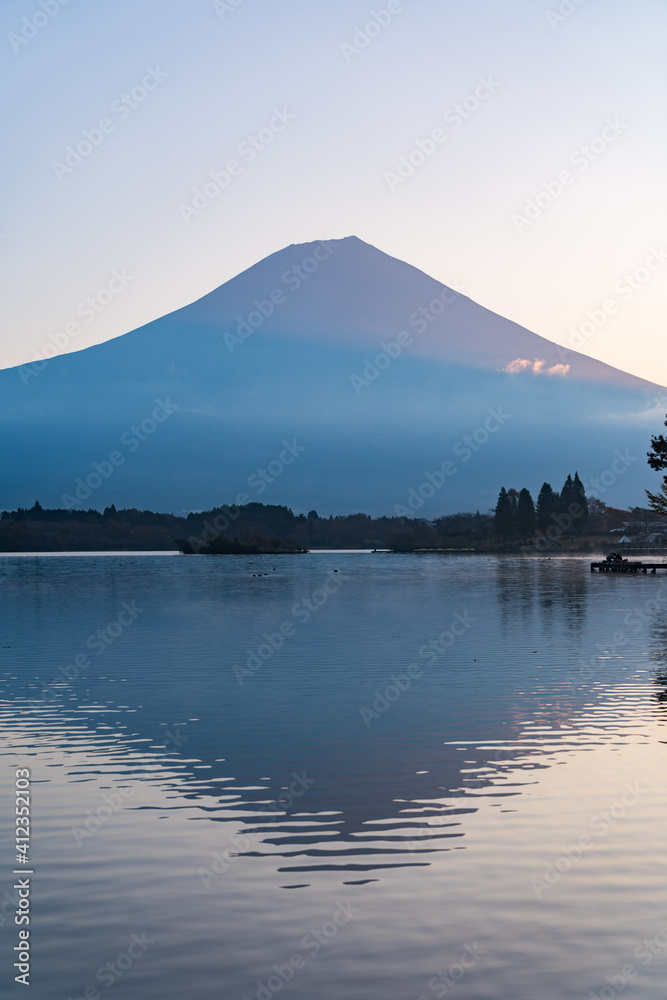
(516,518)
(565,512)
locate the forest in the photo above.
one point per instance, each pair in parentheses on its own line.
(556,518)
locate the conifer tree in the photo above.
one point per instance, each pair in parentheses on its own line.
(657,456)
(504,516)
(546,507)
(657,459)
(567,495)
(658,501)
(525,515)
(580,498)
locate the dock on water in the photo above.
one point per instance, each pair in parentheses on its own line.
(609,566)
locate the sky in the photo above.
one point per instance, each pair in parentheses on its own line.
(515,151)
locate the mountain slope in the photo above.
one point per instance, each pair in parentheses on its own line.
(291,350)
(353,293)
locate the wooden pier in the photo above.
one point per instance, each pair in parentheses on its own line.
(626,567)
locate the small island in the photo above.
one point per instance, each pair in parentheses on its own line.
(222,546)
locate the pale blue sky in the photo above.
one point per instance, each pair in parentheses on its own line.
(218,76)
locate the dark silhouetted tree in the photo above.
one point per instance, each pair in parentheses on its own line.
(567,495)
(503,522)
(657,459)
(580,498)
(548,504)
(525,515)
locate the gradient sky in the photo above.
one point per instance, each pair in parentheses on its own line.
(219,72)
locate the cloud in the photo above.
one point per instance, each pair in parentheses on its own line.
(538,367)
(518,365)
(653,416)
(558,370)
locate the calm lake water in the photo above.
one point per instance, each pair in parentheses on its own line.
(416,777)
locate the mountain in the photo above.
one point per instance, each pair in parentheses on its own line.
(328,375)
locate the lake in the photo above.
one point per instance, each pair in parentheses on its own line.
(370,776)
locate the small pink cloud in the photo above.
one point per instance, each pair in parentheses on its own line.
(517,365)
(538,366)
